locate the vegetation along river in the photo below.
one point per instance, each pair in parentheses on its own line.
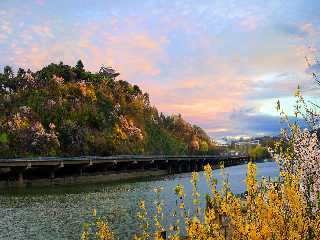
(59,212)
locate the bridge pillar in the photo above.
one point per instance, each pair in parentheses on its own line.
(52,174)
(143,165)
(20,178)
(179,167)
(53,170)
(192,166)
(197,166)
(200,166)
(188,166)
(156,165)
(124,167)
(18,171)
(104,167)
(81,168)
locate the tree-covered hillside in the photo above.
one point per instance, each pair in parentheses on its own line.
(63,110)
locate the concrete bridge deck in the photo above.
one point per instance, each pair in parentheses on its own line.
(16,169)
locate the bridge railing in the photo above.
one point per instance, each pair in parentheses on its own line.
(124,157)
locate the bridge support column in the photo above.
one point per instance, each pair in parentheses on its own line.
(124,167)
(80,171)
(20,178)
(19,173)
(201,167)
(83,167)
(188,166)
(156,165)
(143,165)
(197,167)
(52,174)
(103,167)
(53,170)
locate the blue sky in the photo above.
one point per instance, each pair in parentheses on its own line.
(221,64)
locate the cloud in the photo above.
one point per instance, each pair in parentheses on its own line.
(43,31)
(5,26)
(199,91)
(242,122)
(314,68)
(235,124)
(40,2)
(310,29)
(250,23)
(135,54)
(303,31)
(292,29)
(3,37)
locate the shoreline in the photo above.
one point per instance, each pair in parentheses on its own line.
(102,177)
(98,177)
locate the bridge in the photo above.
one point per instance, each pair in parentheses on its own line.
(17,169)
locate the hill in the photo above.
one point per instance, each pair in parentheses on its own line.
(68,111)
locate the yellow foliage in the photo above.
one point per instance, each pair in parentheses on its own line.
(103,231)
(270,210)
(101,228)
(19,122)
(87,90)
(120,133)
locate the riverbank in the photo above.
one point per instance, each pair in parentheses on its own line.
(103,177)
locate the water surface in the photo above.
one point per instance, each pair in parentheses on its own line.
(59,212)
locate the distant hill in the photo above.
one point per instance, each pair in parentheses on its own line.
(64,110)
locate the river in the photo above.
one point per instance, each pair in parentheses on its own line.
(59,212)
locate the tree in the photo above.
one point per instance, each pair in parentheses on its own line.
(21,72)
(258,152)
(8,72)
(80,65)
(90,113)
(203,147)
(194,145)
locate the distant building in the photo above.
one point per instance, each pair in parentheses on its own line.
(109,72)
(222,143)
(247,143)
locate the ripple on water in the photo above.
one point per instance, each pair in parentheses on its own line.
(59,212)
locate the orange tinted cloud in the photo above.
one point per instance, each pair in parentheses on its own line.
(204,95)
(310,29)
(134,54)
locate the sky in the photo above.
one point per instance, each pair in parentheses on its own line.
(221,64)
